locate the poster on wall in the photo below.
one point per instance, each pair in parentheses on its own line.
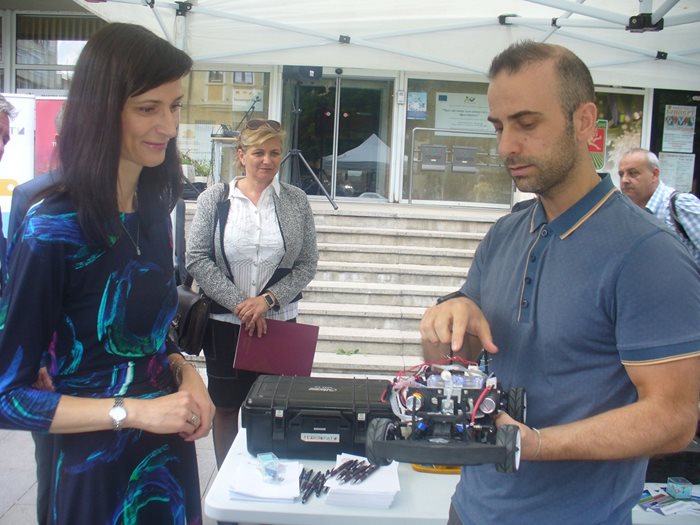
(463,112)
(417,107)
(47,122)
(679,128)
(17,164)
(677,170)
(598,145)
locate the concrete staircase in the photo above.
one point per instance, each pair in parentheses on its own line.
(380,266)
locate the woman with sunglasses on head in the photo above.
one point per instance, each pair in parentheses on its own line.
(252,249)
(91,294)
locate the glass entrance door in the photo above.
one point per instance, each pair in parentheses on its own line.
(356,126)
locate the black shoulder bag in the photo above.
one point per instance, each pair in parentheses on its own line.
(189,325)
(674,215)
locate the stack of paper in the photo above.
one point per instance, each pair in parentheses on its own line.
(377,491)
(248,482)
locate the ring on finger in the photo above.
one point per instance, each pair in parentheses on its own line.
(194,420)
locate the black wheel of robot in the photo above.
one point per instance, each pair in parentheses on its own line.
(517,404)
(508,436)
(379,429)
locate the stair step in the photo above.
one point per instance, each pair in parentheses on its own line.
(361,316)
(386,366)
(391,273)
(392,254)
(409,216)
(374,293)
(369,341)
(391,237)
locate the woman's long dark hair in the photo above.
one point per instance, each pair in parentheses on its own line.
(118,62)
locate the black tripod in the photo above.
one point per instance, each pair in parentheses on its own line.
(295,153)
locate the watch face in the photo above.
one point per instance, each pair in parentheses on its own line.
(118,414)
(269,300)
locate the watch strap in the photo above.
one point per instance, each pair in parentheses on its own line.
(117,422)
(453,295)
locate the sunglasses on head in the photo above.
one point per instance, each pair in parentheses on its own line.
(257,124)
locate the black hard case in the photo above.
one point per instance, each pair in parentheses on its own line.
(311,417)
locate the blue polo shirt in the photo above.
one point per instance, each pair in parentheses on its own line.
(569,302)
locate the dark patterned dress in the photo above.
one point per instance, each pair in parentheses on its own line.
(99,318)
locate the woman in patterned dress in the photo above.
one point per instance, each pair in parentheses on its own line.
(91,293)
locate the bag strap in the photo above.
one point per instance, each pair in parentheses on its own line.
(188,278)
(674,216)
(222,209)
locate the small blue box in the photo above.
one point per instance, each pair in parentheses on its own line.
(270,467)
(679,488)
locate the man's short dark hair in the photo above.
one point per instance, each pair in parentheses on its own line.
(575,81)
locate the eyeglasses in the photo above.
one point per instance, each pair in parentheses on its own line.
(257,124)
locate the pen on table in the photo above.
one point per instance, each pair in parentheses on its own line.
(302,474)
(366,474)
(320,485)
(305,481)
(351,473)
(357,473)
(311,487)
(343,466)
(353,466)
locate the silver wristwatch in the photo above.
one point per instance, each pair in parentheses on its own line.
(118,413)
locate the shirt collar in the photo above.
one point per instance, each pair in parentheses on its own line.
(659,199)
(580,212)
(275,184)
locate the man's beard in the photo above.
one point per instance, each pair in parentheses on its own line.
(552,169)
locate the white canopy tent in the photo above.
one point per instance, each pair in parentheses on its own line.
(369,155)
(633,43)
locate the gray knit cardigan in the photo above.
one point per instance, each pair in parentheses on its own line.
(205,261)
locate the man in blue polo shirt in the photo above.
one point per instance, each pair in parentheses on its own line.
(585,301)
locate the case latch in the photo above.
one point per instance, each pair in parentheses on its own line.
(278,425)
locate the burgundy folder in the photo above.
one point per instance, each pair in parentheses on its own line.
(286,349)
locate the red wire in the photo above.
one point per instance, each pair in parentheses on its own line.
(419,369)
(479,400)
(446,360)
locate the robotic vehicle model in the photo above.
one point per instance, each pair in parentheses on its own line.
(445,415)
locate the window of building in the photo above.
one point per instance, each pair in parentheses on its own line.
(450,146)
(243,77)
(47,48)
(216,77)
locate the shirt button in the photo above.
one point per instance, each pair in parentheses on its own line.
(545,232)
(528,280)
(533,258)
(525,303)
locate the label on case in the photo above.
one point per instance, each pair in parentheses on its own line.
(312,437)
